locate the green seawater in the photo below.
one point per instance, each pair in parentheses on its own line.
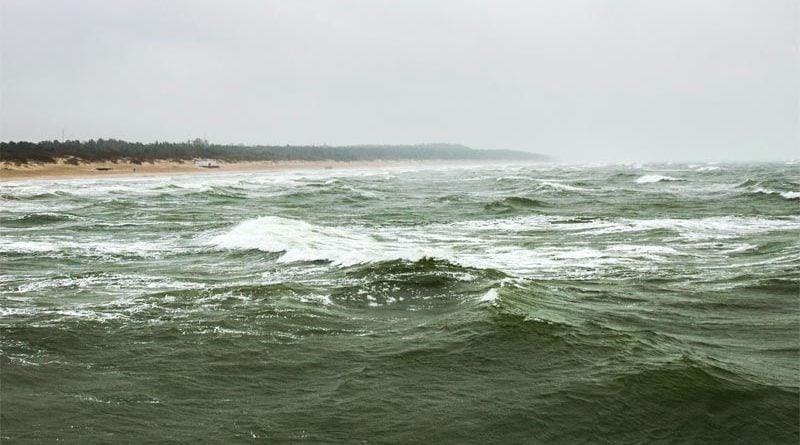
(484,304)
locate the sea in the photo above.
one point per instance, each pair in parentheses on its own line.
(528,303)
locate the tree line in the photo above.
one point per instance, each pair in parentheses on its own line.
(114,150)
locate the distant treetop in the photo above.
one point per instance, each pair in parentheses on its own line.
(105,150)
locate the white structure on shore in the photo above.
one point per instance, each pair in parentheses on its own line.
(206,163)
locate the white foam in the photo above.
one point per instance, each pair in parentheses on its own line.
(10,246)
(467,244)
(642,250)
(720,227)
(647,179)
(514,178)
(578,254)
(791,195)
(55,315)
(16,311)
(300,241)
(513,224)
(785,195)
(105,281)
(489,297)
(709,168)
(90,247)
(560,186)
(88,314)
(324,300)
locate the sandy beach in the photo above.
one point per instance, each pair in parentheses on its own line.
(62,170)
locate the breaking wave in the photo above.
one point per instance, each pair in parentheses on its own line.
(647,179)
(465,243)
(570,299)
(301,241)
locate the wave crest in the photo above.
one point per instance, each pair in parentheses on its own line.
(791,195)
(301,241)
(648,179)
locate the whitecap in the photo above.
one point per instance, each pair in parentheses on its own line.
(560,186)
(489,297)
(647,179)
(464,243)
(709,168)
(791,195)
(298,240)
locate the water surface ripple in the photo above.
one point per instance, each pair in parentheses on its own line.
(491,304)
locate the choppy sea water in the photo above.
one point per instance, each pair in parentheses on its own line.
(493,304)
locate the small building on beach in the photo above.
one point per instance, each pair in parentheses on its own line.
(206,163)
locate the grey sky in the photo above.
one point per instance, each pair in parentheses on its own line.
(581,80)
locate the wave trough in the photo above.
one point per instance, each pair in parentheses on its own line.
(552,304)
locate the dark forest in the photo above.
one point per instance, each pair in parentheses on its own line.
(113,150)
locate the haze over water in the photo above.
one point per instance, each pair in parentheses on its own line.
(504,304)
(599,81)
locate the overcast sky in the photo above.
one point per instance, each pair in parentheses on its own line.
(581,80)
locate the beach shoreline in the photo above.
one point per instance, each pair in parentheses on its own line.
(125,169)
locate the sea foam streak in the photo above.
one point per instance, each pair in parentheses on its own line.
(88,247)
